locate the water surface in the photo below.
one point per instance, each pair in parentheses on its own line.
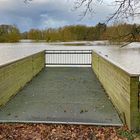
(128,57)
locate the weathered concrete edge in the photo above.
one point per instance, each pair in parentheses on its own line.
(12,81)
(22,58)
(60,122)
(115,64)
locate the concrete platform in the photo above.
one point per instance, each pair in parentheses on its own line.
(62,95)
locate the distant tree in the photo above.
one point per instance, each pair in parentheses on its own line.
(35,34)
(24,35)
(9,33)
(91,33)
(100,29)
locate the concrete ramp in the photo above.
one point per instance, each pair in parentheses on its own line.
(62,95)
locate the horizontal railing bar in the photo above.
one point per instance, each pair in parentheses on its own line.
(68,64)
(68,52)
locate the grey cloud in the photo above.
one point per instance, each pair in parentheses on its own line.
(46,13)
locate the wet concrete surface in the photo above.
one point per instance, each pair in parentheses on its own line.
(62,95)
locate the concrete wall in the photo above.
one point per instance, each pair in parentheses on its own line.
(121,87)
(14,76)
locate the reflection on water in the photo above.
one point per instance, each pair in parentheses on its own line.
(128,57)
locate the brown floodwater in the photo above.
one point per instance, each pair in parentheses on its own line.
(128,57)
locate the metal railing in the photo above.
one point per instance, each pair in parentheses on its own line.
(68,57)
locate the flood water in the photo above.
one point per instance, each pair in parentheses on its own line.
(128,57)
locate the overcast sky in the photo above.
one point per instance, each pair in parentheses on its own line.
(49,13)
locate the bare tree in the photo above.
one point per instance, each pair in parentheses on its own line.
(124,8)
(26,1)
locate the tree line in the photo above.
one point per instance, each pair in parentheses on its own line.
(117,32)
(9,33)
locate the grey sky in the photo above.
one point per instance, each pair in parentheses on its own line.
(48,13)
